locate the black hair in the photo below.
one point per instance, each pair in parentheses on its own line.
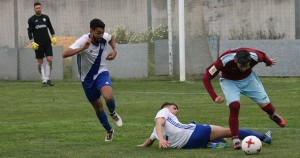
(96,23)
(166,104)
(243,57)
(37,3)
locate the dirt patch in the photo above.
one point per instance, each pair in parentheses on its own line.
(64,41)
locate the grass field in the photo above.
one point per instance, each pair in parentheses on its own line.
(59,122)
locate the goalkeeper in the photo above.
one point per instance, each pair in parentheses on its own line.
(38,26)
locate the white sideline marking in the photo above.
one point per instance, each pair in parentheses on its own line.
(161,93)
(128,92)
(136,124)
(275,129)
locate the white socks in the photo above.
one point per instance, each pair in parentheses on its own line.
(45,72)
(42,72)
(48,71)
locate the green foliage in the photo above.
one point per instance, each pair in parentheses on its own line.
(59,122)
(245,33)
(124,35)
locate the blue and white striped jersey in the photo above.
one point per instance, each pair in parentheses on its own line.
(174,131)
(92,61)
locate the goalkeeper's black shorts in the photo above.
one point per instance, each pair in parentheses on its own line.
(44,50)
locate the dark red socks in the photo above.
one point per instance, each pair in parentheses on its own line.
(234,118)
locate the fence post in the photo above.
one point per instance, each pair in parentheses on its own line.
(297,20)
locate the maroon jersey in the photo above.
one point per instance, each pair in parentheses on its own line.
(229,69)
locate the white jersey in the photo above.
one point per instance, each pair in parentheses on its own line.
(92,61)
(175,132)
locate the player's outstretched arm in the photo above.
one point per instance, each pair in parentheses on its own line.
(70,52)
(262,57)
(273,61)
(148,142)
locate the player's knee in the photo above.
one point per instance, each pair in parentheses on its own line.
(40,63)
(234,105)
(264,104)
(228,132)
(50,62)
(108,98)
(97,106)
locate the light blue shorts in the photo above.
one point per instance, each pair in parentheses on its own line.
(250,86)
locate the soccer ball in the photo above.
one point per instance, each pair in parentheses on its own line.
(251,145)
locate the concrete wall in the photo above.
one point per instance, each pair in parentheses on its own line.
(8,64)
(22,65)
(131,62)
(196,53)
(28,69)
(285,51)
(7,24)
(222,17)
(161,57)
(72,17)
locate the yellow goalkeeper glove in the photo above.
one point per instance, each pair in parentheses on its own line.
(35,46)
(54,40)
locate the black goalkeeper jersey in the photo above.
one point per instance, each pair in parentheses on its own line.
(38,27)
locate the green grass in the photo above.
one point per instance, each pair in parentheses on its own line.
(59,122)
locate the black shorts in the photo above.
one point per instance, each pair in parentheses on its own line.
(44,50)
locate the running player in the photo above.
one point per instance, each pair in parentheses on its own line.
(238,78)
(92,60)
(38,26)
(173,134)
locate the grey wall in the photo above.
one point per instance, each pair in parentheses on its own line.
(222,17)
(131,62)
(8,64)
(7,23)
(71,17)
(28,69)
(162,57)
(285,51)
(197,56)
(20,64)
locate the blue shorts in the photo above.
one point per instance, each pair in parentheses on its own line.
(92,87)
(199,138)
(250,86)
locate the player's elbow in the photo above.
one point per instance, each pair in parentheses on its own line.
(205,78)
(67,53)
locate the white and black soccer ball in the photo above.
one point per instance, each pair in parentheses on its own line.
(251,145)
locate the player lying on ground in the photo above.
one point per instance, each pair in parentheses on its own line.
(173,134)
